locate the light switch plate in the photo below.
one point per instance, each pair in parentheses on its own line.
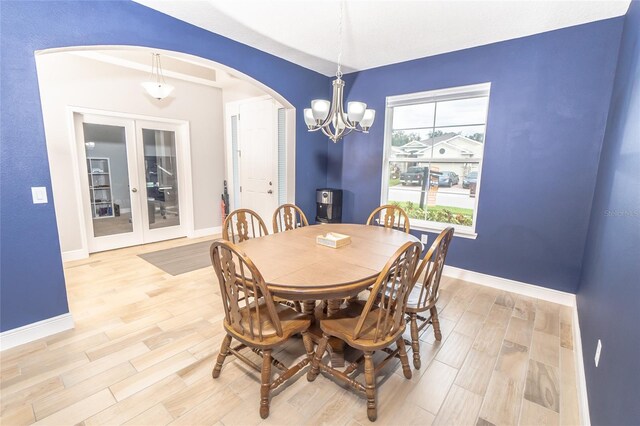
(424,238)
(39,194)
(598,350)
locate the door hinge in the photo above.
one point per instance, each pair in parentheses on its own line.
(240,189)
(239,153)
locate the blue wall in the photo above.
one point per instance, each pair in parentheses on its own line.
(32,280)
(549,101)
(609,291)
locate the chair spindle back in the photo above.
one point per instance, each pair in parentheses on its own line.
(390,293)
(432,265)
(244,293)
(288,217)
(243,224)
(390,216)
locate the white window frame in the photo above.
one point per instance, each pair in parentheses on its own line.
(449,94)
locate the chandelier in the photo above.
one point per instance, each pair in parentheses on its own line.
(157,87)
(330,117)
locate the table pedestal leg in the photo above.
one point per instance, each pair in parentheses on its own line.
(333,307)
(335,346)
(308,306)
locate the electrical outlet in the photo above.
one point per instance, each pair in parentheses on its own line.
(598,350)
(39,194)
(424,238)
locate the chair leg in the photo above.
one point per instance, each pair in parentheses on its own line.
(415,341)
(436,323)
(308,344)
(404,359)
(224,351)
(315,363)
(370,388)
(265,387)
(297,306)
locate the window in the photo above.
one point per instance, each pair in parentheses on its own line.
(434,145)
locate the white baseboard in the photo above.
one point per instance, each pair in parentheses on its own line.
(581,379)
(37,330)
(75,255)
(513,286)
(205,232)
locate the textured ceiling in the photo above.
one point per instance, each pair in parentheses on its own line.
(379,32)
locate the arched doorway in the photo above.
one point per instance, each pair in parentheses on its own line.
(96,91)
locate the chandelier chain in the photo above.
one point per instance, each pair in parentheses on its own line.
(160,72)
(339,72)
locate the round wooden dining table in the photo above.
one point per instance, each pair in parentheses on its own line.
(295,267)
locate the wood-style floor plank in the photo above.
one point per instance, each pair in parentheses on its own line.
(536,415)
(476,372)
(542,385)
(454,350)
(80,410)
(460,408)
(502,402)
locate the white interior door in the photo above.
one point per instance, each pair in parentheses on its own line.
(258,146)
(107,153)
(162,177)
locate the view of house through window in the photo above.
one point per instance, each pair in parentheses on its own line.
(433,155)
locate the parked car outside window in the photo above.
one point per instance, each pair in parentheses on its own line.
(448,179)
(413,175)
(471,178)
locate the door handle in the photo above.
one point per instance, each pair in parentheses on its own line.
(134,189)
(269,192)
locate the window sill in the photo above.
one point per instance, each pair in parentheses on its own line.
(436,230)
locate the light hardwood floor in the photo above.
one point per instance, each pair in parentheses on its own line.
(145,341)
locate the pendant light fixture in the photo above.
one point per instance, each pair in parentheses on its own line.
(330,117)
(157,87)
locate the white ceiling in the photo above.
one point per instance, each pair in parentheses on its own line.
(379,32)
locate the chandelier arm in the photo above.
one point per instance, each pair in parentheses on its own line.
(326,133)
(340,133)
(338,101)
(347,122)
(337,85)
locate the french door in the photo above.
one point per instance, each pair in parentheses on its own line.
(131,193)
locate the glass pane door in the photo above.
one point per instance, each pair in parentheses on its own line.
(108,176)
(161,177)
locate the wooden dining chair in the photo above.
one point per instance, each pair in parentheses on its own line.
(373,325)
(390,216)
(243,224)
(288,217)
(425,293)
(255,321)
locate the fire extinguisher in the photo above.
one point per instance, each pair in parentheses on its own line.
(224,203)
